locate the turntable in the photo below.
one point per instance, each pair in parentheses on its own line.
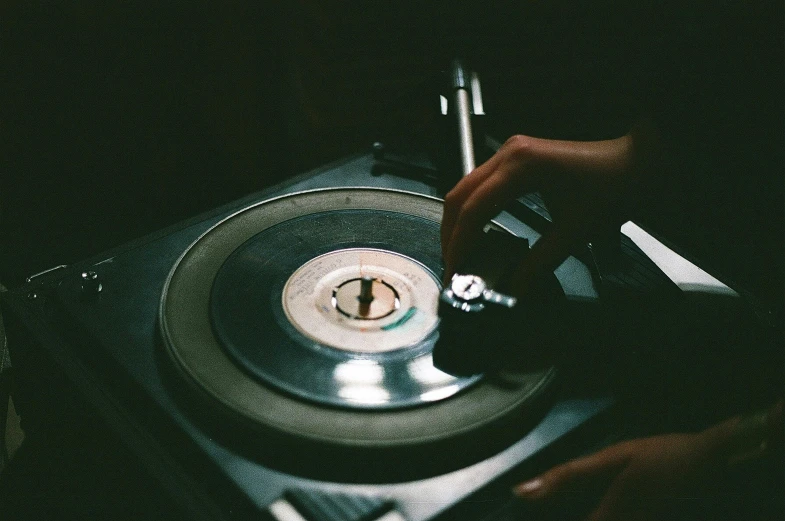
(273,359)
(240,345)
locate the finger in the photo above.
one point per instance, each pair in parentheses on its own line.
(608,509)
(618,505)
(484,202)
(456,197)
(550,250)
(514,147)
(599,467)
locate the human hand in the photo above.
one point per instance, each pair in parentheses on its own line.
(645,479)
(581,181)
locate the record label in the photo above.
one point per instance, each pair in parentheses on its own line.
(323,300)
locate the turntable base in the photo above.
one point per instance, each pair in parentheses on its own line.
(215,460)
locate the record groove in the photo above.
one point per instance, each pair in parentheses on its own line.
(381,362)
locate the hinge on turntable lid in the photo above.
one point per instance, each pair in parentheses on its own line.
(42,275)
(35,284)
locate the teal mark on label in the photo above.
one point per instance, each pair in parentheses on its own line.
(405,318)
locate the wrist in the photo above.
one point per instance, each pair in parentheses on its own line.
(596,160)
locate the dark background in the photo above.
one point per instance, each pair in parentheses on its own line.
(119,119)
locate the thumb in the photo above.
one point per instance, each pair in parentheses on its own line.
(545,255)
(594,471)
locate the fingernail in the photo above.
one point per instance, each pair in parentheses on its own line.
(530,488)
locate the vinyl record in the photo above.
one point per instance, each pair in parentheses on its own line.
(263,314)
(296,286)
